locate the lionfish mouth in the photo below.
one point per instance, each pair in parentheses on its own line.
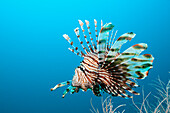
(104,68)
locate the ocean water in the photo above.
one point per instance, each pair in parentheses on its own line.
(34,56)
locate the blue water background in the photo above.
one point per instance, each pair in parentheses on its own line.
(34,56)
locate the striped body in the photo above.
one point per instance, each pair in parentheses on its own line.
(104,68)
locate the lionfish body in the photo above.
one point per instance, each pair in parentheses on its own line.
(104,67)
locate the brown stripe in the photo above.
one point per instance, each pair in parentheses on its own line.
(124,38)
(147,55)
(94,59)
(71,43)
(95,55)
(138,46)
(147,73)
(68,82)
(73,50)
(91,49)
(132,84)
(88,64)
(82,53)
(134,92)
(104,79)
(90,72)
(78,76)
(86,75)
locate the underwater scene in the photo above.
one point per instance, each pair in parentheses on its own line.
(84,56)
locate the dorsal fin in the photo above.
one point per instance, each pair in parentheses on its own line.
(115,48)
(95,23)
(109,47)
(127,55)
(110,41)
(76,52)
(88,27)
(101,24)
(75,49)
(101,47)
(78,36)
(88,43)
(107,41)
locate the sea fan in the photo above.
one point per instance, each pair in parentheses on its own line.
(162,97)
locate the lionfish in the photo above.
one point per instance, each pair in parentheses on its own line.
(104,68)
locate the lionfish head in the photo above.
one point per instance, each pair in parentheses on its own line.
(79,79)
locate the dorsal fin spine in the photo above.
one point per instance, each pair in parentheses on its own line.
(81,25)
(88,28)
(95,23)
(78,36)
(72,44)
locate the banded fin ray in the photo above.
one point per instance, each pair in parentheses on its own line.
(101,47)
(131,64)
(81,42)
(111,39)
(140,65)
(115,48)
(76,52)
(88,27)
(75,49)
(61,85)
(95,24)
(88,43)
(126,55)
